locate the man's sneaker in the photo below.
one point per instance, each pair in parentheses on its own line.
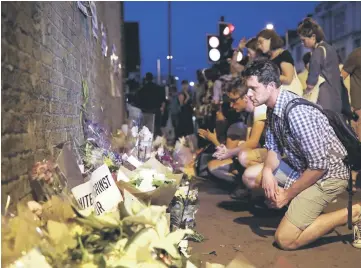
(357,234)
(241,193)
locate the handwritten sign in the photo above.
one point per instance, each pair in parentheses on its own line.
(105,191)
(83,193)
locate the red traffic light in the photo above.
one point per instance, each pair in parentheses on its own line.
(226,29)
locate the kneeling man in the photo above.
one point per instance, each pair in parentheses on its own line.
(311,169)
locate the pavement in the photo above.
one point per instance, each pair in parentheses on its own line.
(236,228)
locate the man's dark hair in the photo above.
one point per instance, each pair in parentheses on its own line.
(149,77)
(265,71)
(237,86)
(306,58)
(185,82)
(276,40)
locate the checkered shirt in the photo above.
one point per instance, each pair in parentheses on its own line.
(307,142)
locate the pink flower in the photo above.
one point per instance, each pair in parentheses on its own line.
(43,171)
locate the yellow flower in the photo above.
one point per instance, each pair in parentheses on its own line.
(108,162)
(76,230)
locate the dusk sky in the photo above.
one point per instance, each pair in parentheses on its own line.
(191,21)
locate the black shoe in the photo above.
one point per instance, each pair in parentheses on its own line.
(241,193)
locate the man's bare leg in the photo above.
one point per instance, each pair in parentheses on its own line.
(252,176)
(221,169)
(252,157)
(289,237)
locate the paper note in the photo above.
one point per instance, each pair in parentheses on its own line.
(82,169)
(135,162)
(105,191)
(94,19)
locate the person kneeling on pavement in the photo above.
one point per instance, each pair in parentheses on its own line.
(255,122)
(311,172)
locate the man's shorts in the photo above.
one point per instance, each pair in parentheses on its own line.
(305,208)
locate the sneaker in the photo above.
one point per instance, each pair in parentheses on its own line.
(357,234)
(240,193)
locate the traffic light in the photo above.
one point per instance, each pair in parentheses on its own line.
(213,51)
(225,38)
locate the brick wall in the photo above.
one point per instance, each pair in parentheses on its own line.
(47,50)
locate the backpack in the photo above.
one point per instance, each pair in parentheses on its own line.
(343,130)
(347,137)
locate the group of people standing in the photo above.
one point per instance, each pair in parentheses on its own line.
(298,160)
(153,99)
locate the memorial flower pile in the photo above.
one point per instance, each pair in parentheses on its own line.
(60,235)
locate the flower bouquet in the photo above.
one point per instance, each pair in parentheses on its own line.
(46,180)
(62,236)
(183,152)
(94,157)
(151,182)
(164,153)
(183,208)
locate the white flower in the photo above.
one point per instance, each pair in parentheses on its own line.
(159,142)
(134,131)
(160,151)
(125,129)
(147,183)
(182,141)
(35,207)
(145,134)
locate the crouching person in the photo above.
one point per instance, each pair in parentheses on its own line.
(311,172)
(226,161)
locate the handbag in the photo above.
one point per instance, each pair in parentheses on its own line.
(296,85)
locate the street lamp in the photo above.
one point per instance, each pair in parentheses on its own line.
(269,26)
(169,57)
(191,83)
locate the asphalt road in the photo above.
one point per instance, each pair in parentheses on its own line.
(242,228)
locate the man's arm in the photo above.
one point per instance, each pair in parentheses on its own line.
(253,141)
(307,179)
(350,64)
(310,129)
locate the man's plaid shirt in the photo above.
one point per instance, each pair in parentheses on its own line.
(307,142)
